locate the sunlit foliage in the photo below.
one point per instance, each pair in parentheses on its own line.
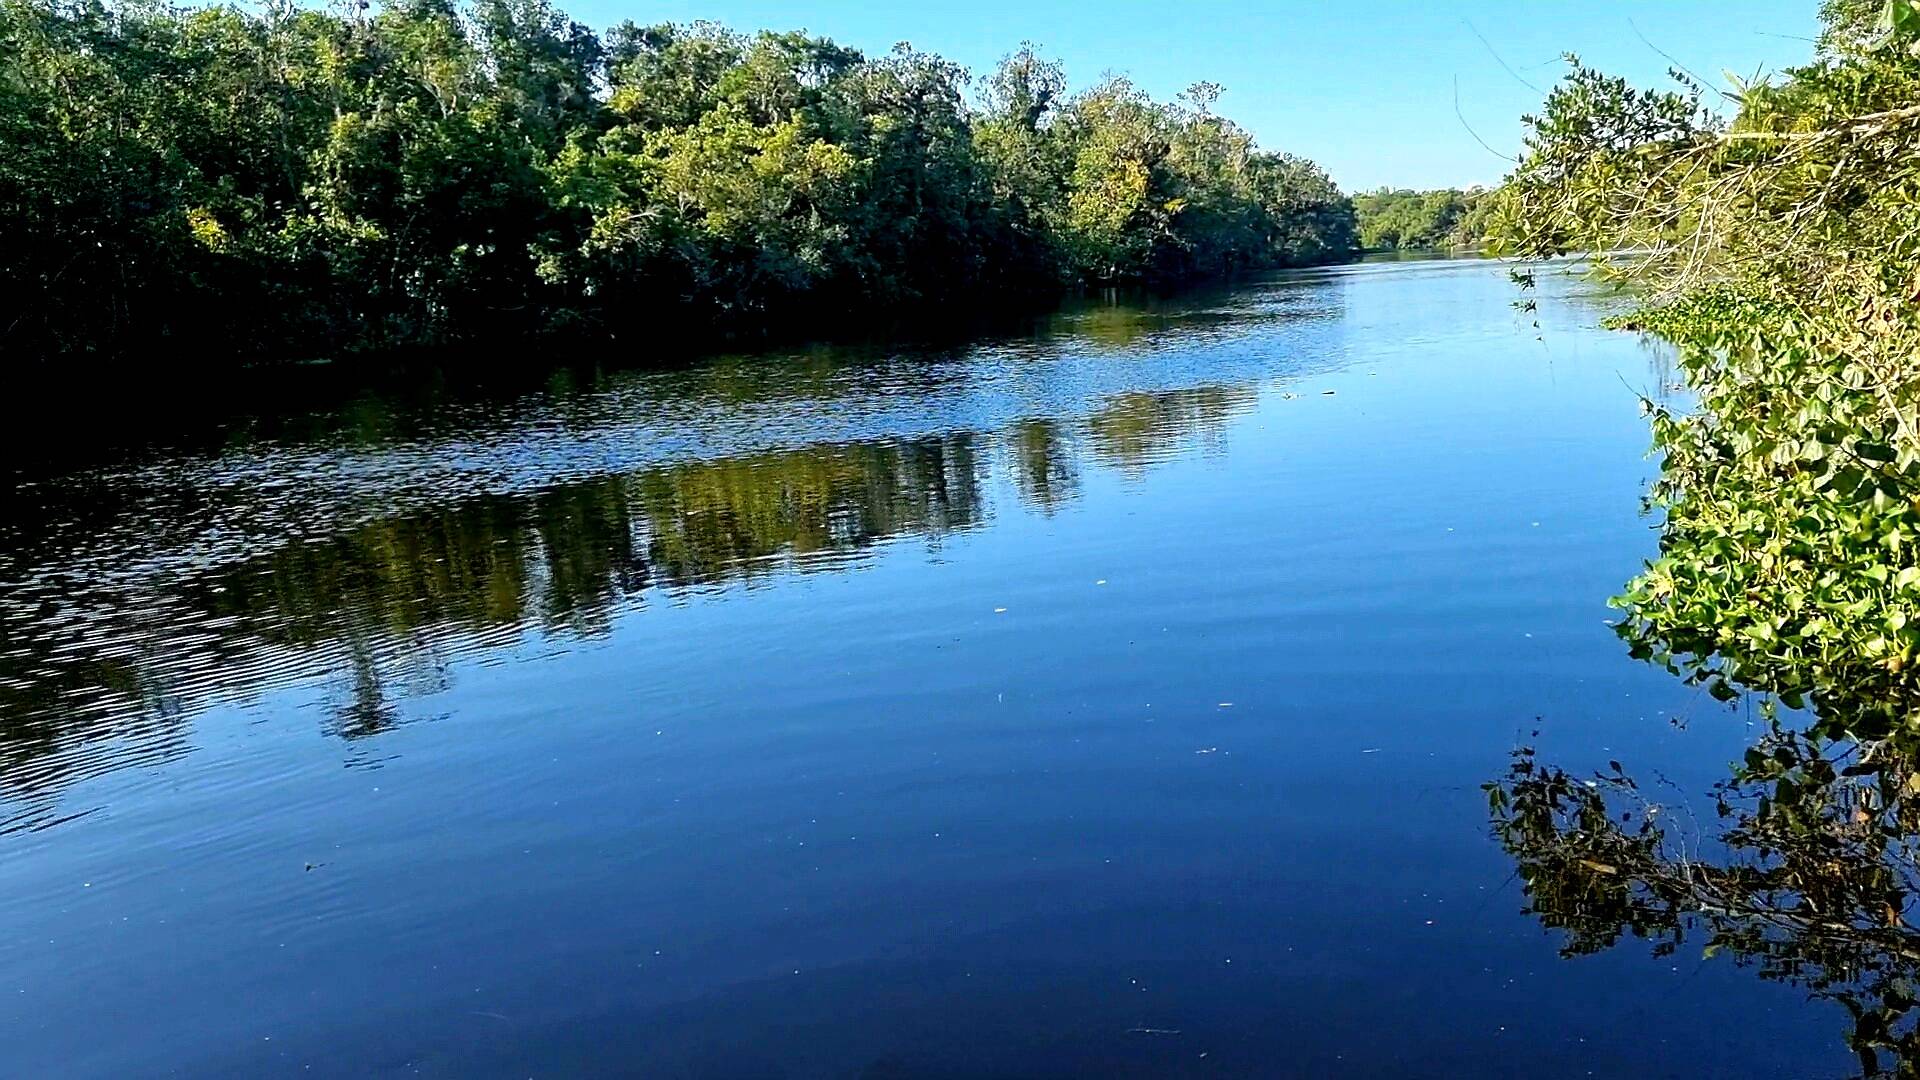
(230,183)
(1391,220)
(1782,247)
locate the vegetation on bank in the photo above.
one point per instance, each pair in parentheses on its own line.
(1405,220)
(1781,250)
(225,182)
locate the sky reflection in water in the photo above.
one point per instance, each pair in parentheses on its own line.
(1110,699)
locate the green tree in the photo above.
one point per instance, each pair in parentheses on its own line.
(1402,219)
(1781,249)
(241,185)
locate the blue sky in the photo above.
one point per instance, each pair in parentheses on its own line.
(1365,89)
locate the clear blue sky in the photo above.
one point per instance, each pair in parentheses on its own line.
(1365,89)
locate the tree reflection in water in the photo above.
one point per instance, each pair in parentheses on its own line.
(1810,881)
(97,672)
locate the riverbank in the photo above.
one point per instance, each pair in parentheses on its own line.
(215,187)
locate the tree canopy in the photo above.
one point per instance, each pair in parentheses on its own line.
(1405,220)
(280,182)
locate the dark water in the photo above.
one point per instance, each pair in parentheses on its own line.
(1111,700)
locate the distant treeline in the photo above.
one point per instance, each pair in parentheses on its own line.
(230,183)
(1405,220)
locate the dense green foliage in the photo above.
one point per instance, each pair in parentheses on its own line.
(1783,248)
(1391,220)
(295,182)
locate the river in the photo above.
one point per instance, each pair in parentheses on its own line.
(1109,697)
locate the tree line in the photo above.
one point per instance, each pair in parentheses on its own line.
(1391,219)
(285,182)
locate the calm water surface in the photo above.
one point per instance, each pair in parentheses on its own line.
(1109,700)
